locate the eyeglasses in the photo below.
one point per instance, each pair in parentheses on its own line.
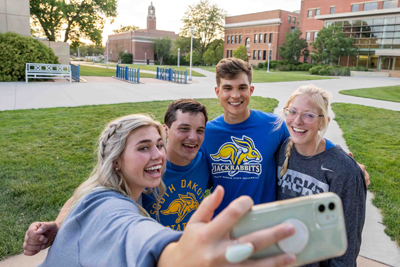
(307,117)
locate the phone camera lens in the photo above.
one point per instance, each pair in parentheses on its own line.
(321,208)
(331,206)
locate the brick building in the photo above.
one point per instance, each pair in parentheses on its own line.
(255,31)
(139,42)
(374,25)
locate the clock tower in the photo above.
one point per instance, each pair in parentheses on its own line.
(151,17)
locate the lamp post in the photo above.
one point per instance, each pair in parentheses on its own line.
(107,52)
(79,59)
(192,28)
(145,58)
(269,49)
(179,50)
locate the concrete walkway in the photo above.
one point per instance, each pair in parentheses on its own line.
(377,249)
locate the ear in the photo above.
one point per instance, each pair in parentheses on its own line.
(166,130)
(217,91)
(117,164)
(329,119)
(251,90)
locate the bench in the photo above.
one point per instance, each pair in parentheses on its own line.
(47,71)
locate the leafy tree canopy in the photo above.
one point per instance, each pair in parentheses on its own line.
(215,52)
(294,47)
(241,52)
(88,50)
(330,44)
(208,21)
(77,18)
(162,48)
(126,29)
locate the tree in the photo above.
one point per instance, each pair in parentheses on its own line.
(294,47)
(331,44)
(215,52)
(195,58)
(77,18)
(208,21)
(126,29)
(88,50)
(162,48)
(241,52)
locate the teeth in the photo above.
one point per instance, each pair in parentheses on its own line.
(153,168)
(299,130)
(236,103)
(192,146)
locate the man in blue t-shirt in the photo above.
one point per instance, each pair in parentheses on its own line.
(240,144)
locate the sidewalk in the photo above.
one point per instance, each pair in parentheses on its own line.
(376,249)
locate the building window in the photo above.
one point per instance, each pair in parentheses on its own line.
(309,14)
(265,37)
(305,59)
(332,10)
(371,6)
(317,12)
(354,8)
(247,43)
(389,4)
(270,38)
(231,53)
(270,54)
(298,21)
(227,53)
(260,41)
(294,21)
(259,54)
(240,39)
(308,36)
(255,38)
(235,39)
(264,54)
(288,19)
(315,35)
(254,54)
(227,41)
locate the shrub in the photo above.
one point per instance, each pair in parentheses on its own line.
(323,72)
(126,58)
(289,67)
(260,65)
(314,70)
(16,51)
(273,64)
(281,68)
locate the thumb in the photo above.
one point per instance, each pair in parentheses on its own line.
(205,211)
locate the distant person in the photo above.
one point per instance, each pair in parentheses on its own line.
(310,164)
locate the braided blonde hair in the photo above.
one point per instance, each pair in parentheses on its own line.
(112,143)
(320,98)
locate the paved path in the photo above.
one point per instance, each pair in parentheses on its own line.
(376,247)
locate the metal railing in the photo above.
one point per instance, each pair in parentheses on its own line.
(172,75)
(128,74)
(76,72)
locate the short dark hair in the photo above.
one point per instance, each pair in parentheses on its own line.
(229,68)
(185,105)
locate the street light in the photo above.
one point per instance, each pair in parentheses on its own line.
(145,58)
(192,28)
(269,49)
(179,50)
(107,51)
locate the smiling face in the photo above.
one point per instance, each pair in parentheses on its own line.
(185,137)
(143,160)
(304,135)
(234,96)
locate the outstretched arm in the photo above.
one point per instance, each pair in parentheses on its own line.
(40,235)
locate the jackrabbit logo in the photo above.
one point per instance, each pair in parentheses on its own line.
(240,155)
(182,206)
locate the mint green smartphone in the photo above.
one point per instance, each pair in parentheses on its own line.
(319,222)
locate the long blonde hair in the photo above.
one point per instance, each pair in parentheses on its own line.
(112,143)
(320,98)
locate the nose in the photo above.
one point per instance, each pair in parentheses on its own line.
(157,153)
(192,135)
(235,93)
(298,119)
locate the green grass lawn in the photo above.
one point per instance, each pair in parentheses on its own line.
(372,134)
(388,93)
(103,72)
(153,67)
(47,153)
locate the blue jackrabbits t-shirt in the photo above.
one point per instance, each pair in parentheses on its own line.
(241,156)
(185,190)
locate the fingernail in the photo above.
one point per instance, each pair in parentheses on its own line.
(41,238)
(40,230)
(290,229)
(45,240)
(290,258)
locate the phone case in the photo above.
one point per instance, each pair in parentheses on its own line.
(322,214)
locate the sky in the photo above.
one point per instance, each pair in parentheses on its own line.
(169,13)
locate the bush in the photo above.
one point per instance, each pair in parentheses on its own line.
(16,51)
(273,64)
(281,68)
(314,70)
(323,72)
(289,67)
(260,65)
(126,58)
